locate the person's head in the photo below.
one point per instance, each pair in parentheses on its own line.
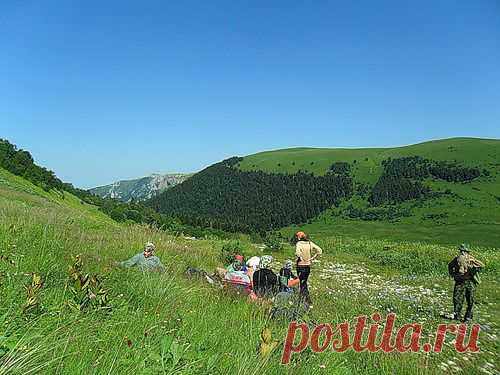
(464,248)
(149,249)
(253,262)
(237,265)
(300,236)
(265,261)
(288,264)
(239,258)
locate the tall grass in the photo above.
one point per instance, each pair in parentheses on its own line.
(408,257)
(212,332)
(162,323)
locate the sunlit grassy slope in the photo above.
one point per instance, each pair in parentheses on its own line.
(159,323)
(169,324)
(366,162)
(471,214)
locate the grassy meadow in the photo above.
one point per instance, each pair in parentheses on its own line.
(171,324)
(367,161)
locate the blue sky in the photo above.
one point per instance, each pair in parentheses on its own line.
(99,90)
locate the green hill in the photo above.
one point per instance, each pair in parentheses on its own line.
(20,163)
(470,213)
(367,161)
(439,191)
(15,190)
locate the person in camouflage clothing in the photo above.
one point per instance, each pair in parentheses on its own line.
(464,269)
(145,261)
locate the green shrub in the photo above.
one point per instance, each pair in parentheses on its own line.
(230,249)
(32,304)
(87,290)
(273,241)
(340,167)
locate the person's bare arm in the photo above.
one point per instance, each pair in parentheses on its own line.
(317,251)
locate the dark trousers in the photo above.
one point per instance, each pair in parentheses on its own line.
(463,289)
(303,273)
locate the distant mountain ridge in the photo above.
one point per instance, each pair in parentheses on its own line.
(140,189)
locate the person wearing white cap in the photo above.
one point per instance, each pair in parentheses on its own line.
(253,262)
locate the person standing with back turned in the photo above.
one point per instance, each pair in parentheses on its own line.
(304,249)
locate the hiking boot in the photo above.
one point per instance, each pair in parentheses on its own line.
(451,316)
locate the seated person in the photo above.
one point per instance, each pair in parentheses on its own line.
(145,261)
(237,276)
(286,274)
(238,259)
(253,263)
(265,281)
(252,266)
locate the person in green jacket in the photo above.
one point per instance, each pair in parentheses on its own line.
(145,261)
(238,264)
(464,270)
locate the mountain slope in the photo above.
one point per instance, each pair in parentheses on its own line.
(224,197)
(433,184)
(139,189)
(367,162)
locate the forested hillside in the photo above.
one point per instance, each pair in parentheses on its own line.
(438,182)
(413,189)
(401,178)
(222,196)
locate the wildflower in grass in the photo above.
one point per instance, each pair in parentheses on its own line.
(267,344)
(32,303)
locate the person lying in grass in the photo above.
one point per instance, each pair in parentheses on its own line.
(145,261)
(237,274)
(238,264)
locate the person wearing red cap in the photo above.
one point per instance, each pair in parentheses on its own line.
(306,252)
